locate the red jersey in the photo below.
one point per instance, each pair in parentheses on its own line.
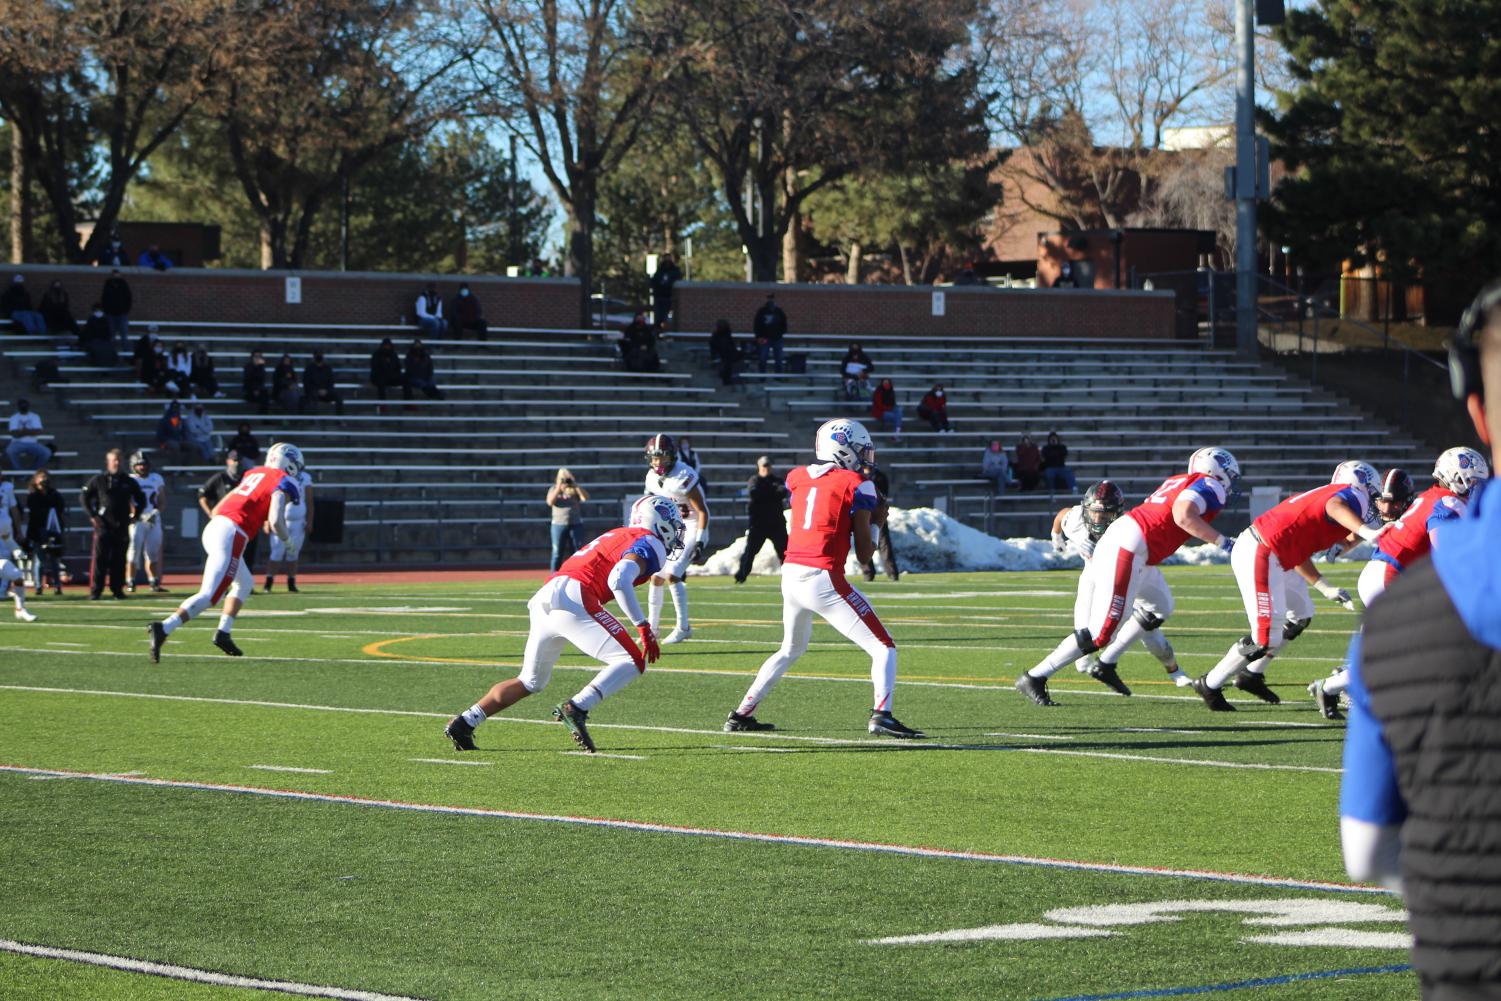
(249,504)
(1155,514)
(591,565)
(1299,527)
(1407,540)
(823,498)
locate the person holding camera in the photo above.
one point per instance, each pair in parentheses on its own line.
(564,498)
(45,522)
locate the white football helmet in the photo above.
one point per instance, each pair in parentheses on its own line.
(845,443)
(1358,474)
(660,517)
(1217,463)
(286,457)
(1460,468)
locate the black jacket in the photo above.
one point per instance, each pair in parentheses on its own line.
(662,281)
(765,499)
(113,497)
(40,508)
(15,297)
(116,298)
(385,368)
(1054,456)
(771,323)
(317,377)
(95,328)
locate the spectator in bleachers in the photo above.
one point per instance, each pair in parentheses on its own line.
(117,300)
(766,497)
(96,341)
(152,257)
(24,450)
(169,428)
(245,446)
(564,499)
(884,408)
(198,434)
(418,373)
(57,310)
(318,381)
(468,314)
(159,376)
(385,368)
(995,466)
(855,368)
(253,388)
(638,345)
(15,303)
(145,346)
(201,373)
(180,367)
(1055,471)
(286,387)
(934,408)
(46,522)
(723,351)
(1028,464)
(430,319)
(113,254)
(662,280)
(769,328)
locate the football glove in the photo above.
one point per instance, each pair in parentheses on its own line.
(1060,544)
(1338,595)
(1227,543)
(1335,552)
(649,642)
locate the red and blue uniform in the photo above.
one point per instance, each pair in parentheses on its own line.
(822,506)
(1300,526)
(1155,514)
(591,565)
(249,504)
(1408,540)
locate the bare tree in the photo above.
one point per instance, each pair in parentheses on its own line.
(1190,194)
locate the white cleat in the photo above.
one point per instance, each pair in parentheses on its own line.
(1084,665)
(1180,679)
(678,635)
(24,615)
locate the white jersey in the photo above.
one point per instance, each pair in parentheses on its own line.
(154,487)
(676,485)
(1076,531)
(7,504)
(297,508)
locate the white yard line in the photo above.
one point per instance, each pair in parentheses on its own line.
(290,768)
(603,754)
(1180,761)
(1027,736)
(452,761)
(175,972)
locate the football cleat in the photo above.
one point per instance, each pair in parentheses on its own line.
(737,723)
(226,642)
(292,588)
(1328,704)
(158,635)
(1213,697)
(1107,675)
(156,588)
(577,722)
(24,615)
(678,635)
(461,733)
(886,725)
(1035,689)
(1255,684)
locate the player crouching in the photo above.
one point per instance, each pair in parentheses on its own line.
(569,608)
(264,493)
(13,582)
(829,500)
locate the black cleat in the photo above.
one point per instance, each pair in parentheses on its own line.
(226,642)
(577,722)
(737,723)
(461,733)
(1213,697)
(158,635)
(1328,704)
(1255,684)
(292,588)
(1107,675)
(1035,689)
(886,725)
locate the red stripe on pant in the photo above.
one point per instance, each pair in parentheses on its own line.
(862,608)
(1262,578)
(1389,576)
(1125,559)
(614,628)
(236,550)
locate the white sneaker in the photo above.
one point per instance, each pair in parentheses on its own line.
(24,615)
(677,635)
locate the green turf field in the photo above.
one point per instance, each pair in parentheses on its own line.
(137,814)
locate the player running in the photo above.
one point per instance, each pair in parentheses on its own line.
(262,497)
(13,582)
(1273,564)
(299,522)
(830,499)
(570,608)
(1414,521)
(146,531)
(669,476)
(1082,526)
(1125,562)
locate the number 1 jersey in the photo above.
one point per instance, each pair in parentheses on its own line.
(824,496)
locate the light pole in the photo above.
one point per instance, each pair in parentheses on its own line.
(1245,181)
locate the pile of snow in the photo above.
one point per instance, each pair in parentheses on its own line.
(928,541)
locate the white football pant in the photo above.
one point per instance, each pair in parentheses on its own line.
(145,546)
(561,615)
(224,570)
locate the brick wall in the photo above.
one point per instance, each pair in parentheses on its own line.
(882,309)
(225,295)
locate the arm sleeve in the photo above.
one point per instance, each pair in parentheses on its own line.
(1442,511)
(1373,852)
(866,498)
(622,581)
(1369,790)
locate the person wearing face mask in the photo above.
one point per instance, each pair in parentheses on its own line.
(201,373)
(117,301)
(1028,465)
(57,310)
(995,466)
(934,409)
(96,341)
(253,388)
(430,319)
(15,303)
(198,433)
(113,254)
(246,445)
(24,451)
(468,314)
(1055,471)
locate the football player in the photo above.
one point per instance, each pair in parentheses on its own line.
(1413,521)
(1082,527)
(669,476)
(830,500)
(570,609)
(1126,558)
(13,582)
(10,518)
(299,523)
(146,531)
(1273,564)
(261,498)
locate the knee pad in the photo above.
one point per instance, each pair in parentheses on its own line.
(1294,629)
(1086,641)
(1250,649)
(1148,620)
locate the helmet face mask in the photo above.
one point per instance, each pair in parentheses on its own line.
(138,460)
(661,454)
(1396,495)
(1103,503)
(1459,469)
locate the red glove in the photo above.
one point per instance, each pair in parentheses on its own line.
(649,643)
